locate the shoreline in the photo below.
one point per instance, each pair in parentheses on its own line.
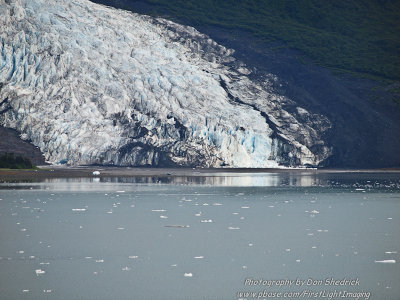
(50,171)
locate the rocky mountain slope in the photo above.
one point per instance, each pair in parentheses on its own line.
(11,143)
(305,44)
(89,84)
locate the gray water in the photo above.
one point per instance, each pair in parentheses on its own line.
(202,237)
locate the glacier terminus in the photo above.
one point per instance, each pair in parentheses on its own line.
(90,84)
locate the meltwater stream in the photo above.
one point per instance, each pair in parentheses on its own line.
(243,236)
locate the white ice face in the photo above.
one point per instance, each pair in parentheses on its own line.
(90,84)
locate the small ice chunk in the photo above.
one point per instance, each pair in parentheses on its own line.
(40,272)
(96,173)
(206,221)
(158,210)
(25,291)
(386,261)
(126,269)
(163,217)
(99,260)
(233,228)
(133,256)
(79,209)
(177,226)
(188,275)
(199,257)
(314,211)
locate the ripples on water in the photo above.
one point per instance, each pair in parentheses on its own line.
(199,237)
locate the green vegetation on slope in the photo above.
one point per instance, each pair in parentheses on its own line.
(361,36)
(9,161)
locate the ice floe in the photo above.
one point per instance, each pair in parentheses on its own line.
(386,261)
(40,272)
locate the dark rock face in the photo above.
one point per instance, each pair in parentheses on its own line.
(365,130)
(365,125)
(10,142)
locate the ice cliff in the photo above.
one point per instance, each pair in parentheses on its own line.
(90,84)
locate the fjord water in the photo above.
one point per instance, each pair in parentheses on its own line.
(204,237)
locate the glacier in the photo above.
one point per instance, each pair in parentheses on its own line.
(90,84)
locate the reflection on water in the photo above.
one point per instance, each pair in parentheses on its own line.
(288,179)
(199,237)
(299,179)
(218,180)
